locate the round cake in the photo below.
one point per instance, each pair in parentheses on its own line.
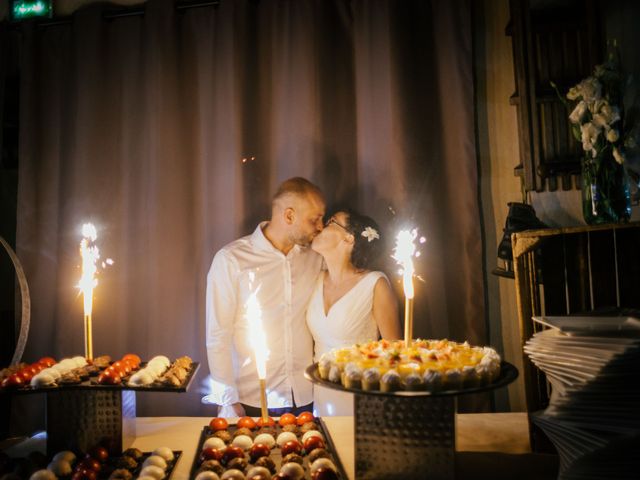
(428,365)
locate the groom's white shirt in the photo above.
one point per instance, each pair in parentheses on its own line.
(285,283)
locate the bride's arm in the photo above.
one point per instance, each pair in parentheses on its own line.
(385,310)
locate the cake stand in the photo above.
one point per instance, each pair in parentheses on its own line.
(79,417)
(404,434)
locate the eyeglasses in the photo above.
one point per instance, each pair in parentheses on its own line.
(333,220)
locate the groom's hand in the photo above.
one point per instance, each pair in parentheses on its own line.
(233,410)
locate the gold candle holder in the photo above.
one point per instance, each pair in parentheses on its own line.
(263,401)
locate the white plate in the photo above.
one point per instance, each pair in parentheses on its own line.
(556,337)
(566,362)
(593,326)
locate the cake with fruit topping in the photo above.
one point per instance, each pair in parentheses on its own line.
(427,365)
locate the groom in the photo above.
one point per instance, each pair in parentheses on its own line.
(276,262)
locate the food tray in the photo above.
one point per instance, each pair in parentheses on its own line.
(508,373)
(170,466)
(91,384)
(105,472)
(276,455)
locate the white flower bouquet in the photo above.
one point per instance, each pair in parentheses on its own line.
(598,123)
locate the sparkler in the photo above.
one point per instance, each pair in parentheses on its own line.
(90,254)
(258,340)
(403,253)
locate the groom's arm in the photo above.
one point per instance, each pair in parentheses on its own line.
(221,307)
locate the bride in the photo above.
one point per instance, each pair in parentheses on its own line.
(350,303)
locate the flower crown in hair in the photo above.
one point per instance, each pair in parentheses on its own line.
(370,234)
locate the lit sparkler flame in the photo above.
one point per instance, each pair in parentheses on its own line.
(258,339)
(90,255)
(403,253)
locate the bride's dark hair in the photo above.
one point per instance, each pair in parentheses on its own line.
(366,248)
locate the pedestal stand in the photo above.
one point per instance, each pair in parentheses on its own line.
(81,419)
(404,437)
(407,435)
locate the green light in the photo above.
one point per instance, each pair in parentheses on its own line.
(23,9)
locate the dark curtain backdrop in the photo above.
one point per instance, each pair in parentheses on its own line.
(171,130)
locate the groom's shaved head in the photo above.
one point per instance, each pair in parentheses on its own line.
(296,187)
(296,214)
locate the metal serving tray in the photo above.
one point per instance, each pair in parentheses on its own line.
(276,455)
(508,373)
(92,385)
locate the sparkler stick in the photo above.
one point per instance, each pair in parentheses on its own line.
(403,253)
(259,343)
(88,282)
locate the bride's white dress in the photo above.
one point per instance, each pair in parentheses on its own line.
(348,321)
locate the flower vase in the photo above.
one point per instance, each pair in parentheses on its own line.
(606,196)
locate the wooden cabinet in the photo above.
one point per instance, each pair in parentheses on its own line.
(555,41)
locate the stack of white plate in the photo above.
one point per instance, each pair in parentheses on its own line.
(593,418)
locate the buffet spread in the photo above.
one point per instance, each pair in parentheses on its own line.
(430,372)
(404,406)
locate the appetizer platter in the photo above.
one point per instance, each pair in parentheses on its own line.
(95,464)
(291,448)
(101,373)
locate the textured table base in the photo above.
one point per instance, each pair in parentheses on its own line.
(81,419)
(400,437)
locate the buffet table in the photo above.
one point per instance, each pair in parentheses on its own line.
(494,446)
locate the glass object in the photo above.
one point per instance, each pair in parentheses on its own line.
(606,194)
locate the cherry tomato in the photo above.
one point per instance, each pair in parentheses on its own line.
(210,454)
(13,380)
(230,453)
(47,361)
(305,417)
(118,366)
(218,423)
(109,377)
(26,375)
(258,450)
(133,357)
(99,453)
(287,419)
(90,463)
(292,446)
(312,443)
(84,473)
(269,422)
(246,422)
(131,364)
(126,367)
